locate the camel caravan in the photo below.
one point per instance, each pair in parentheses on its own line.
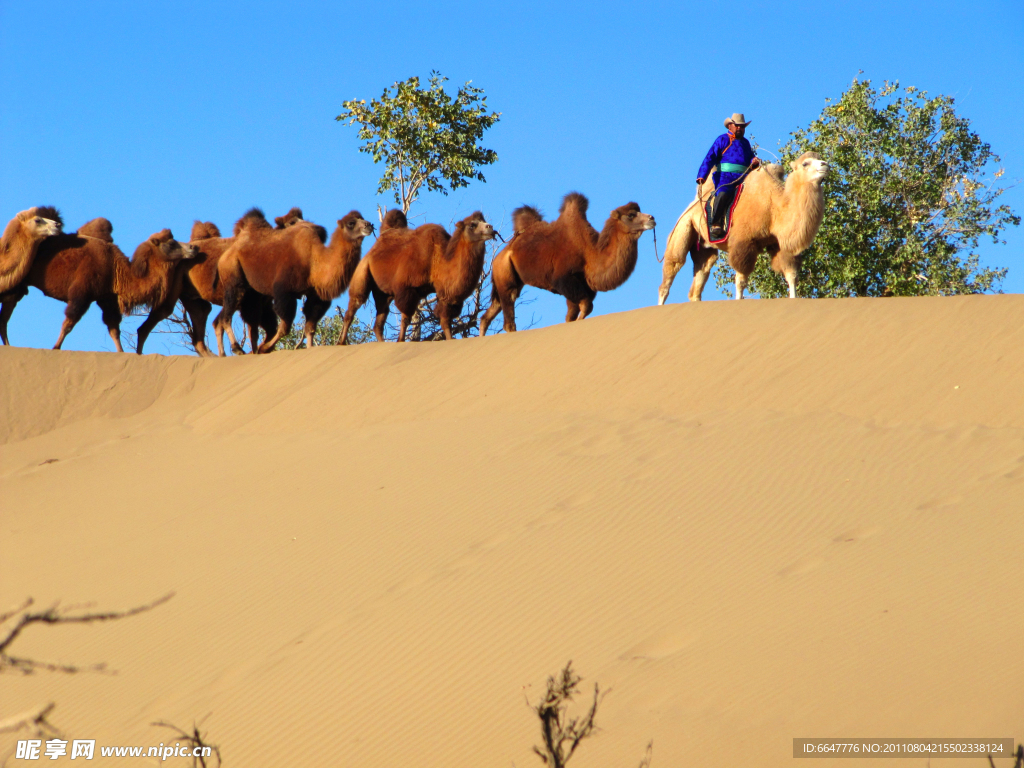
(742,207)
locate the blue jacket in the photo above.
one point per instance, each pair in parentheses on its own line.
(736,151)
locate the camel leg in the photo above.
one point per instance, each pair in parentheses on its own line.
(253,309)
(703,262)
(408,303)
(789,272)
(382,305)
(741,285)
(112,319)
(668,273)
(198,311)
(234,291)
(354,303)
(743,259)
(572,310)
(586,306)
(506,287)
(403,325)
(218,333)
(7,304)
(268,319)
(445,313)
(489,314)
(72,314)
(156,316)
(313,309)
(285,305)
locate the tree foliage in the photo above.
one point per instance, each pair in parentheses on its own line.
(911,192)
(424,137)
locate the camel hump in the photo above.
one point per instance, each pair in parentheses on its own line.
(204,230)
(99,228)
(45,211)
(777,172)
(394,219)
(525,216)
(574,202)
(254,218)
(294,216)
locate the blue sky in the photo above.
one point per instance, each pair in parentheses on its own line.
(155,114)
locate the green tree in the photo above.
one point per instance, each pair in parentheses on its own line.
(424,137)
(911,192)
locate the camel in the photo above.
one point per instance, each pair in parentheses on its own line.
(86,267)
(18,246)
(779,217)
(201,288)
(566,256)
(406,265)
(289,263)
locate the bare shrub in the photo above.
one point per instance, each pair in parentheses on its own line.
(194,739)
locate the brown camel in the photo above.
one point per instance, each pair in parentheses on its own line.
(202,288)
(566,256)
(86,267)
(289,263)
(18,247)
(406,265)
(779,217)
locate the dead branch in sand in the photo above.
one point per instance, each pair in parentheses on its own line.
(34,720)
(194,740)
(55,614)
(562,735)
(648,755)
(1017,763)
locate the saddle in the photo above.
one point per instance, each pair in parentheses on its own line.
(727,221)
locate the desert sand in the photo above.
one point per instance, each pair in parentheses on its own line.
(752,521)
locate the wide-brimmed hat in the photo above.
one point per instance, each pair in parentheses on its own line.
(737,119)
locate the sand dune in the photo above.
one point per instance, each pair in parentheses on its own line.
(753,521)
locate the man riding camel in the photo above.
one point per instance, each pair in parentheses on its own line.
(734,157)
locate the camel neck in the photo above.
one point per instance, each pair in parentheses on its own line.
(613,259)
(334,264)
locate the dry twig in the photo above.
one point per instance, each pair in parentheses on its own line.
(55,614)
(194,739)
(562,735)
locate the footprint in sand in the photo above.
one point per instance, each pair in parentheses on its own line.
(661,645)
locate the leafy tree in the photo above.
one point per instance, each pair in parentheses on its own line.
(424,137)
(911,192)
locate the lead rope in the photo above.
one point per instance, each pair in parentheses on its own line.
(654,232)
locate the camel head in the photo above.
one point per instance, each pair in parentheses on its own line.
(631,220)
(167,248)
(40,222)
(809,167)
(474,228)
(354,227)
